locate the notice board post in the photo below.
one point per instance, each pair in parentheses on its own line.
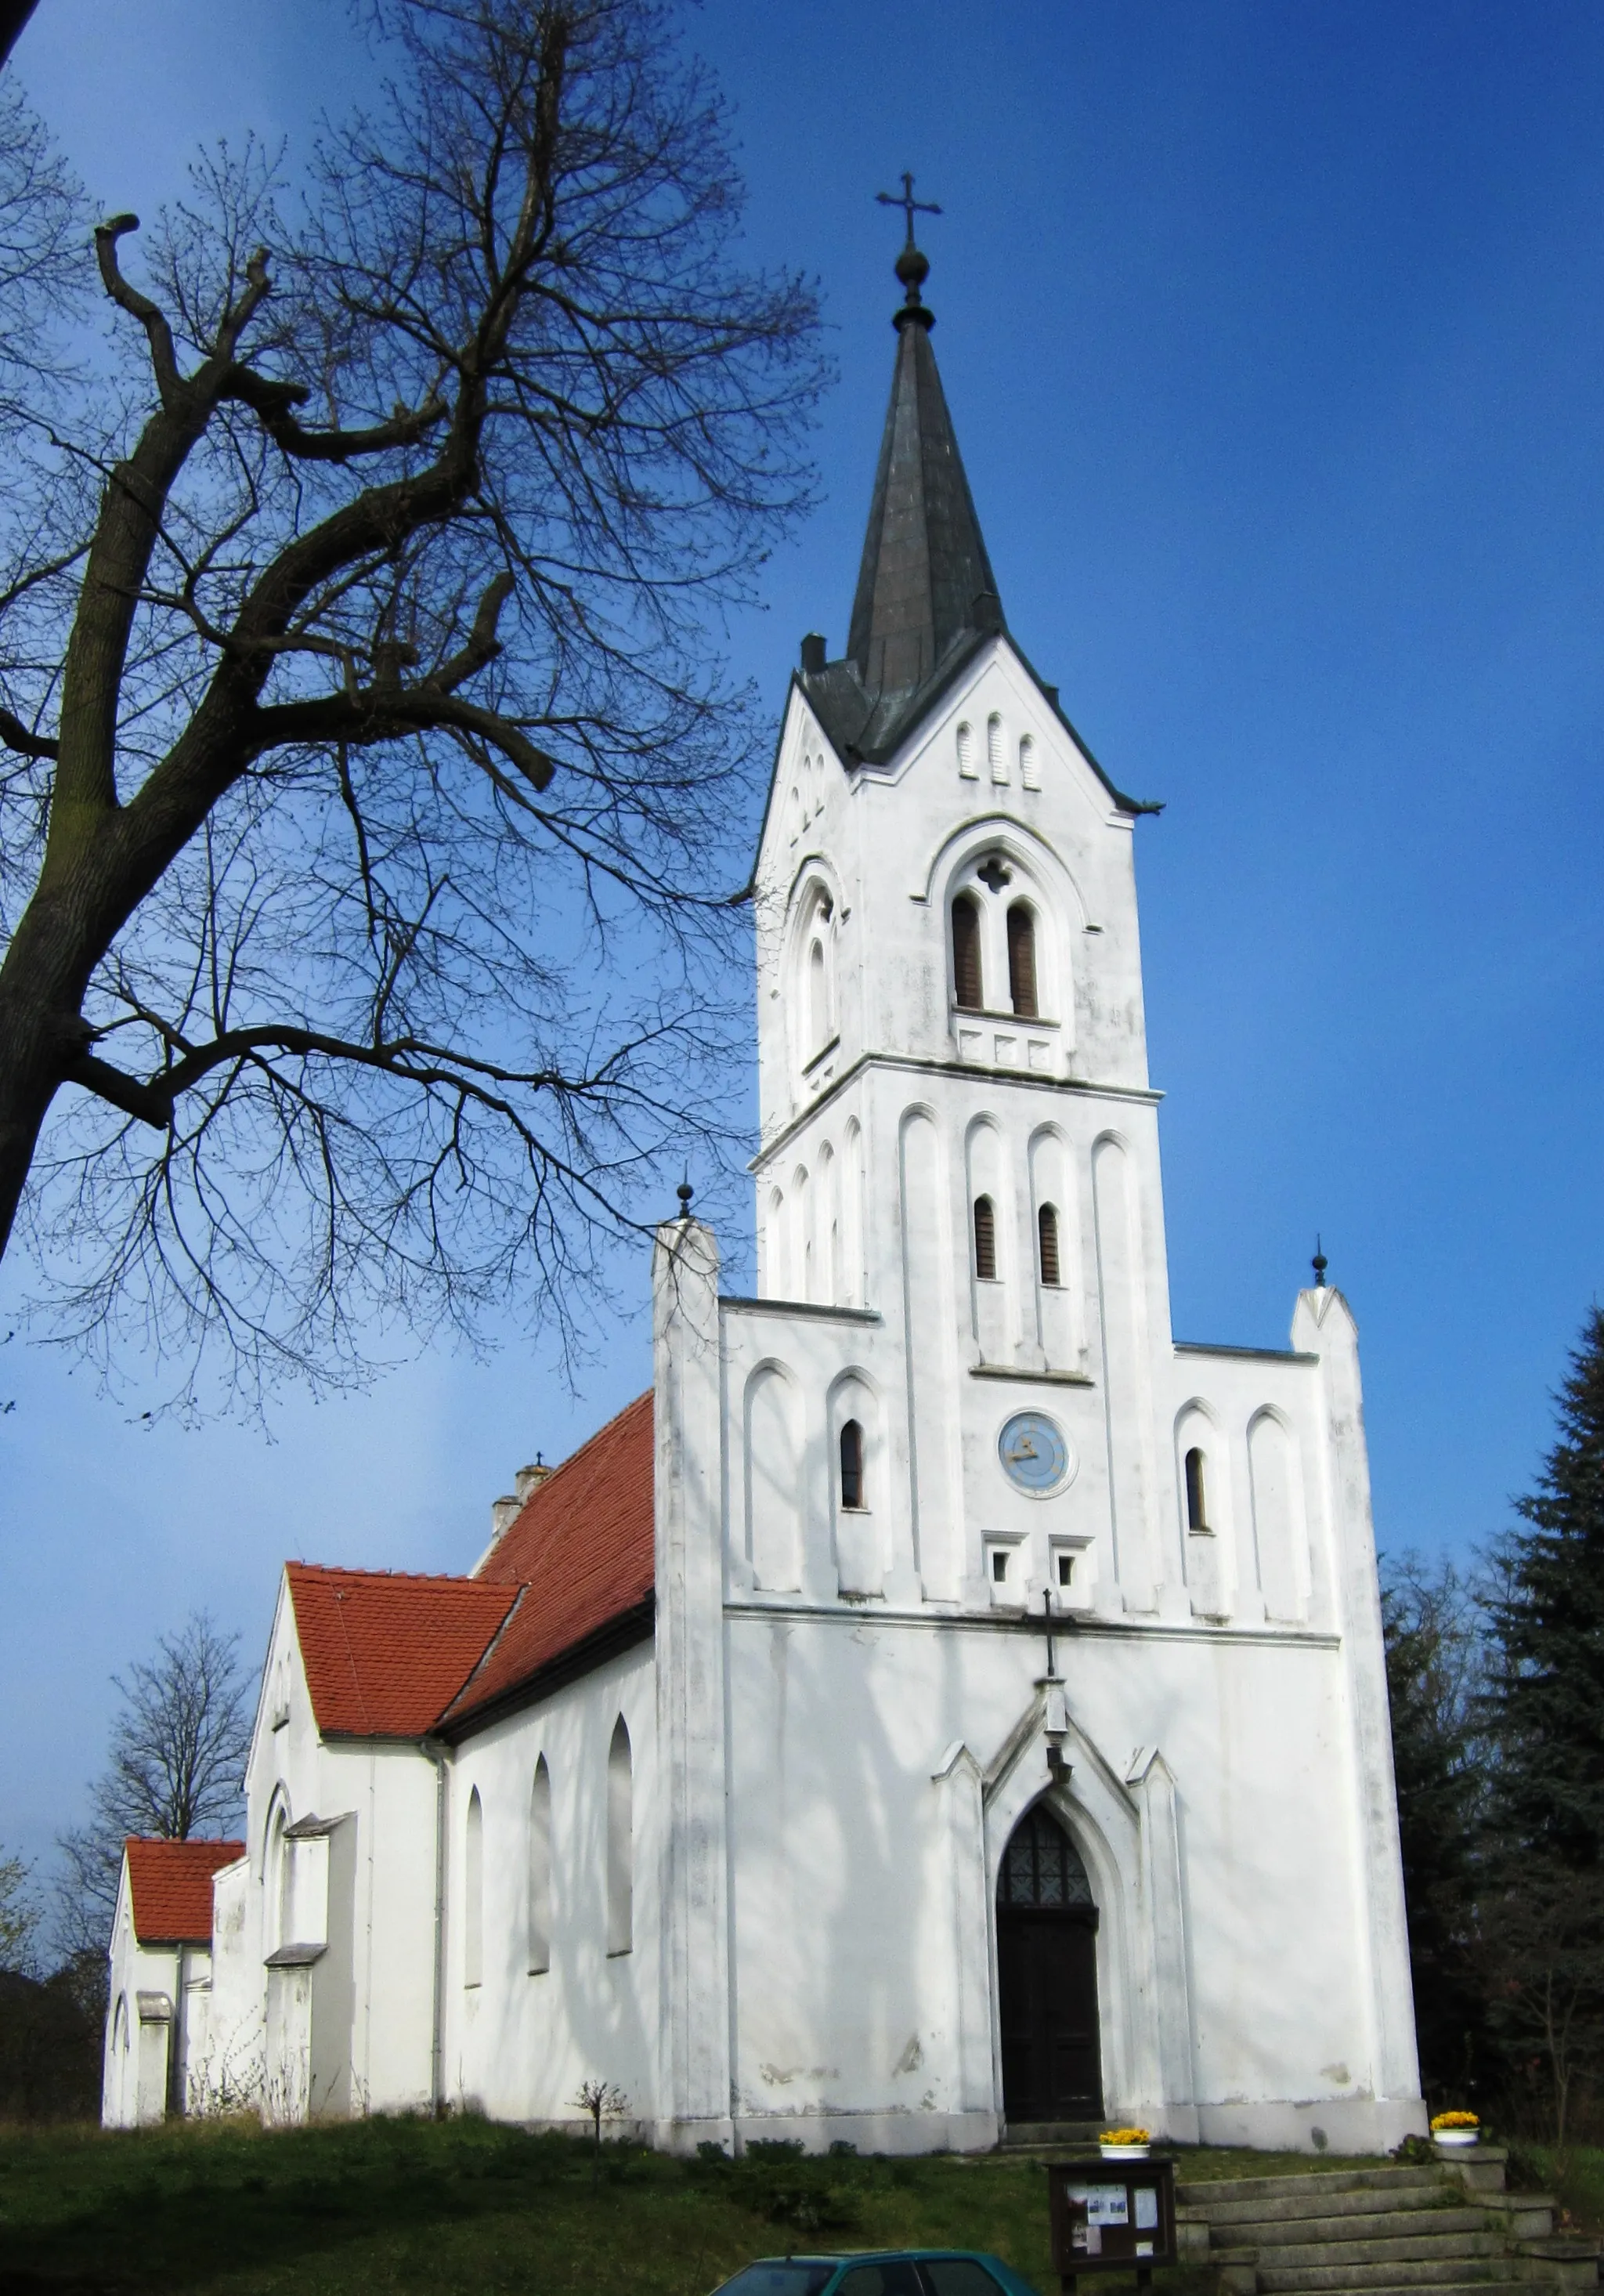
(1112,2216)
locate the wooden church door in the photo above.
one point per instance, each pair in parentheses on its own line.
(1047,1977)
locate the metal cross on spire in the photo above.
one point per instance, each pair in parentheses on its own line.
(909,206)
(911,266)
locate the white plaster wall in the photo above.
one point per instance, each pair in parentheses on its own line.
(256,2039)
(848,1980)
(518,2044)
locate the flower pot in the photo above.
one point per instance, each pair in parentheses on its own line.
(1125,2152)
(1456,2138)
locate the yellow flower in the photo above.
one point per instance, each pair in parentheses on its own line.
(1126,2137)
(1455,2121)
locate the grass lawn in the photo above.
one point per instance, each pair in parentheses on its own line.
(474,2207)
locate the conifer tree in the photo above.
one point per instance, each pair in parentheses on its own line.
(1542,1908)
(1545,1696)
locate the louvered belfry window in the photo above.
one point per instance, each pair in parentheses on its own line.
(1048,1239)
(1042,1866)
(1021,962)
(966,956)
(986,1239)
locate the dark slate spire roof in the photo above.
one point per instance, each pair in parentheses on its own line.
(925,571)
(927,600)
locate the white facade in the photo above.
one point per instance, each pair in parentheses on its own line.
(845,1710)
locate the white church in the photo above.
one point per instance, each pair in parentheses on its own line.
(945,1706)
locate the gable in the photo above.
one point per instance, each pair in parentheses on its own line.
(170,1888)
(385,1651)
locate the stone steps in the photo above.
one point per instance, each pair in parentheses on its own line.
(1331,2196)
(1426,2231)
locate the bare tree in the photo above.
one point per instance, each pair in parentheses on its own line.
(19,1918)
(366,728)
(177,1767)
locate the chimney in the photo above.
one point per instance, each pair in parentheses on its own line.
(504,1512)
(529,1478)
(812,653)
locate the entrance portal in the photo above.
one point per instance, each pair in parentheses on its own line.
(1047,1976)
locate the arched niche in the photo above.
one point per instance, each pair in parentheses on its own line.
(772,1420)
(1280,1529)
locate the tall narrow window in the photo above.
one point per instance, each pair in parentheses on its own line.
(967,767)
(1021,961)
(473,1894)
(852,1465)
(996,752)
(1030,764)
(620,1843)
(818,1002)
(1196,1512)
(986,1240)
(966,956)
(1047,1242)
(540,1869)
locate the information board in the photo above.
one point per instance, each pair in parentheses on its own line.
(1112,2216)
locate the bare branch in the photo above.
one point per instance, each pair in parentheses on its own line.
(159,332)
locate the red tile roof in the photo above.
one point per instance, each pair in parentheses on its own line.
(582,1550)
(385,1654)
(391,1656)
(172,1887)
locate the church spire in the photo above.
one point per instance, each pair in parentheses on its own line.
(925,578)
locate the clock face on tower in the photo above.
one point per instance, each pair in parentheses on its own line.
(1035,1453)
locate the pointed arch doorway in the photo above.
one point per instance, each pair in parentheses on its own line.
(1047,1976)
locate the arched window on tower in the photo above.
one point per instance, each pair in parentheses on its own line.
(818,1001)
(540,1869)
(852,1465)
(966,956)
(1196,1501)
(997,749)
(1047,1244)
(620,1843)
(1021,961)
(967,767)
(986,1240)
(473,1894)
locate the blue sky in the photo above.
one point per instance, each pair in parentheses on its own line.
(1271,339)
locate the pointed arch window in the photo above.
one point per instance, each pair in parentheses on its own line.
(540,1869)
(620,1843)
(852,1465)
(966,956)
(986,1240)
(1021,961)
(473,1893)
(1047,1245)
(1197,1493)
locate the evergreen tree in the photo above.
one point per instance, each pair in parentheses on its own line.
(1541,1911)
(1544,1702)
